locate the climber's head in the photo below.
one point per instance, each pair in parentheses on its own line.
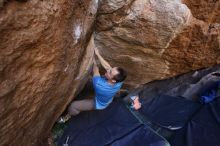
(116,74)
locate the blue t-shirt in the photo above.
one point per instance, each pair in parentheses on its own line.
(104,91)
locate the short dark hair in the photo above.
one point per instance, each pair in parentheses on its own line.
(121,76)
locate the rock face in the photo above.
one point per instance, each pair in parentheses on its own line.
(46,52)
(198,45)
(45,58)
(156,39)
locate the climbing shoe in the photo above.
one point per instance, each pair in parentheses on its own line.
(64,119)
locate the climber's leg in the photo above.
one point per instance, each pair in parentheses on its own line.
(76,107)
(81,105)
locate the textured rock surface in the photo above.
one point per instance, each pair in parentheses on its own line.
(46,52)
(198,45)
(156,39)
(45,59)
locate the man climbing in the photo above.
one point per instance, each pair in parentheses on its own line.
(105,89)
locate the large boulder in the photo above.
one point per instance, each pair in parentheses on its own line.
(198,45)
(45,57)
(46,52)
(157,39)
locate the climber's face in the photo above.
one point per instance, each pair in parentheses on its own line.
(111,73)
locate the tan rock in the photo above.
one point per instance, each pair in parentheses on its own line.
(45,59)
(46,52)
(109,6)
(198,45)
(156,39)
(136,36)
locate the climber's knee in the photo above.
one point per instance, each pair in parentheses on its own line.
(72,110)
(81,105)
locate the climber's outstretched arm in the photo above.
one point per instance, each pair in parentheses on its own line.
(95,69)
(103,62)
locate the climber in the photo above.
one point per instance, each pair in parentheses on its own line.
(105,88)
